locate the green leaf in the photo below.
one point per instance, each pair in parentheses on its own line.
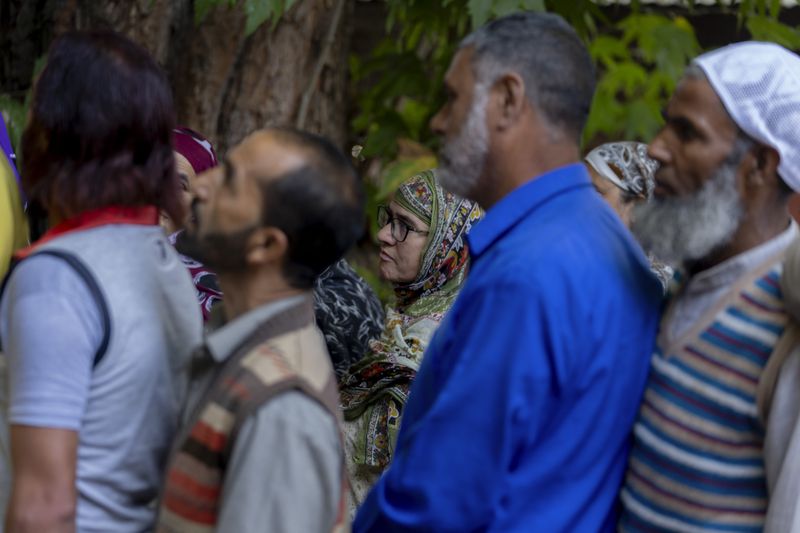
(258,12)
(641,121)
(382,135)
(775,8)
(625,77)
(661,43)
(501,8)
(583,15)
(401,170)
(533,5)
(479,11)
(767,29)
(202,8)
(608,50)
(605,115)
(355,63)
(415,115)
(745,10)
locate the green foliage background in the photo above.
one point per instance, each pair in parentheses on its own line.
(639,60)
(398,86)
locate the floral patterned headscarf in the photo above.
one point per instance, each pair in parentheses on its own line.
(444,260)
(374,391)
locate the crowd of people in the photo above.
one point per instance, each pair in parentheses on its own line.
(577,343)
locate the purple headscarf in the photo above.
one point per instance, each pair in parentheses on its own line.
(8,150)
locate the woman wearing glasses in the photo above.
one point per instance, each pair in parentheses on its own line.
(424,255)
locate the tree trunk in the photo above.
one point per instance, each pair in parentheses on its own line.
(226,85)
(231,85)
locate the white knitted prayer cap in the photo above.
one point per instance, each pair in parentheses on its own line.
(759,85)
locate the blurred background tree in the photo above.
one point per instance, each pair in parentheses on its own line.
(368,73)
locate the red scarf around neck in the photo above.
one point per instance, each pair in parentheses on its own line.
(141,215)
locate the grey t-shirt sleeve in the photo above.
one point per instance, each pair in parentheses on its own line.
(285,471)
(51,328)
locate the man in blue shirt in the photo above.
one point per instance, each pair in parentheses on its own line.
(520,415)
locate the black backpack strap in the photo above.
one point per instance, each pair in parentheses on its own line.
(91,284)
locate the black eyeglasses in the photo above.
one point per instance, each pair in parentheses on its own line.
(400,229)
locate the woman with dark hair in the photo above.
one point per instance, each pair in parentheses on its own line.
(424,255)
(98,317)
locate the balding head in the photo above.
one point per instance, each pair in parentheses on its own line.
(312,193)
(289,180)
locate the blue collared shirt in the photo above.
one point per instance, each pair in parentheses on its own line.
(519,417)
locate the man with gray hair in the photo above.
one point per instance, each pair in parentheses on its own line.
(519,417)
(730,156)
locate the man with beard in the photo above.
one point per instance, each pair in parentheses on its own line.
(282,207)
(347,310)
(729,153)
(520,414)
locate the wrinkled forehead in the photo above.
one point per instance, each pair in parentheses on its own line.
(460,74)
(696,101)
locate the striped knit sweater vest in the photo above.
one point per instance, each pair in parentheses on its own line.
(285,352)
(697,461)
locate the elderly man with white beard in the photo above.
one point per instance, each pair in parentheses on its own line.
(730,156)
(520,415)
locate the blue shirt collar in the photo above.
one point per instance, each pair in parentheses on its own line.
(506,213)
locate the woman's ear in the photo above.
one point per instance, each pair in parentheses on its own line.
(267,245)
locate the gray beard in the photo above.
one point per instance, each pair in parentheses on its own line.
(462,159)
(686,229)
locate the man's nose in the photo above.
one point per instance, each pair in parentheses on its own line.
(437,123)
(658,150)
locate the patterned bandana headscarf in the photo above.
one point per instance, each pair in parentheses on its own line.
(195,148)
(626,165)
(449,218)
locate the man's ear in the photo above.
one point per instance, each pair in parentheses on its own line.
(267,245)
(762,164)
(507,100)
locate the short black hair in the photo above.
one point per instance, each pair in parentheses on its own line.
(100,131)
(552,60)
(320,206)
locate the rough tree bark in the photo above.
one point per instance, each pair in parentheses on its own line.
(226,85)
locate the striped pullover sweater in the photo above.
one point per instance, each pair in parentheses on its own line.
(286,352)
(697,461)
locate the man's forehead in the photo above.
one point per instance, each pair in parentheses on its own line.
(460,66)
(695,100)
(267,155)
